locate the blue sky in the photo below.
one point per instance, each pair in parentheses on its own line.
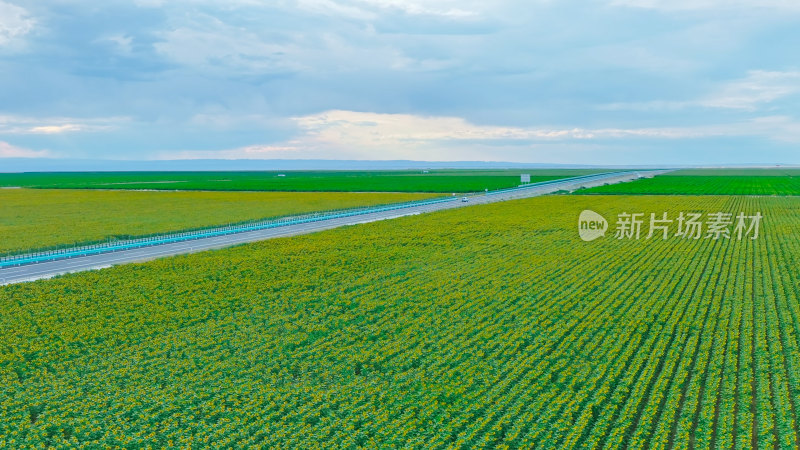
(597,82)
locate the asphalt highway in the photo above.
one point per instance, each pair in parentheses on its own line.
(30,272)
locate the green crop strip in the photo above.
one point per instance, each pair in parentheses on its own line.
(35,219)
(442,181)
(672,184)
(489,326)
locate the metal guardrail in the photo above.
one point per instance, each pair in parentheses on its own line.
(108,247)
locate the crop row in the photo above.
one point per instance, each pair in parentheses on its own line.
(451,330)
(782,183)
(32,219)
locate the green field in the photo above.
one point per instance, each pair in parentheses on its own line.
(482,327)
(712,182)
(330,181)
(740,172)
(35,219)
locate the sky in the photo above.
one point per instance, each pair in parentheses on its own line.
(538,81)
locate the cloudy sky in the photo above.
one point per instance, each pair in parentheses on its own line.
(595,81)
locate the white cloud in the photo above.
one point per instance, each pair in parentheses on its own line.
(120,42)
(374,136)
(55,129)
(372,9)
(777,128)
(248,152)
(215,45)
(697,5)
(363,129)
(366,135)
(756,88)
(208,43)
(442,8)
(56,125)
(330,7)
(10,151)
(14,22)
(354,9)
(149,3)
